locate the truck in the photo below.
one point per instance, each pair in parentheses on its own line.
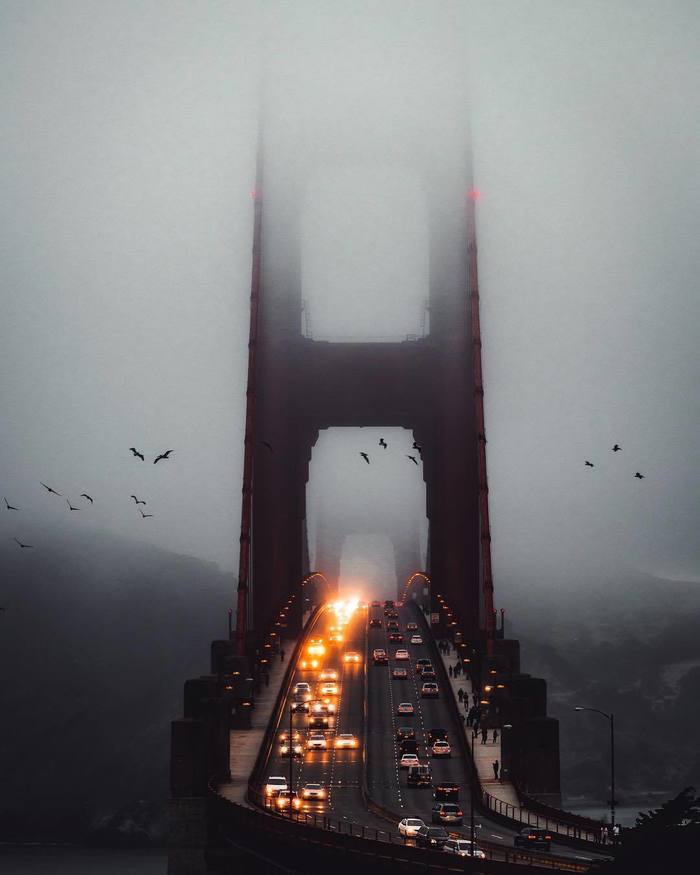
(419,776)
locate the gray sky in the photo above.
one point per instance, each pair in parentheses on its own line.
(127,161)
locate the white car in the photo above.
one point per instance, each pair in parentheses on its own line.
(409,759)
(275,784)
(294,750)
(416,639)
(429,691)
(463,848)
(329,689)
(316,741)
(409,826)
(313,791)
(399,674)
(405,708)
(302,689)
(345,739)
(441,748)
(328,674)
(401,655)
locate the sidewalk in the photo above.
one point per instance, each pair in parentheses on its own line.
(483,754)
(245,743)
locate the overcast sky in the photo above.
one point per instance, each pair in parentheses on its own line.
(127,161)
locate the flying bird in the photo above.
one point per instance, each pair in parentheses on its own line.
(24,546)
(413,459)
(589,464)
(138,501)
(365,457)
(616,448)
(51,490)
(165,455)
(70,505)
(85,495)
(268,445)
(9,506)
(383,443)
(639,476)
(136,453)
(145,515)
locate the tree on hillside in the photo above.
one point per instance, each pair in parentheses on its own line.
(665,839)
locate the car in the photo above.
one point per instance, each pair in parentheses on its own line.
(284,735)
(463,848)
(351,657)
(416,639)
(303,689)
(411,627)
(294,749)
(346,740)
(312,790)
(408,759)
(447,812)
(318,721)
(316,741)
(393,615)
(419,776)
(423,663)
(323,708)
(380,657)
(389,603)
(428,675)
(436,732)
(405,732)
(447,791)
(432,836)
(329,689)
(402,655)
(285,797)
(396,638)
(315,647)
(393,626)
(328,674)
(429,691)
(375,623)
(308,663)
(336,638)
(441,748)
(399,674)
(300,707)
(533,838)
(409,826)
(405,708)
(408,745)
(275,784)
(376,604)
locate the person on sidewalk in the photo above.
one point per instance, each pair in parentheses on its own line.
(450,671)
(496,766)
(460,695)
(484,736)
(495,736)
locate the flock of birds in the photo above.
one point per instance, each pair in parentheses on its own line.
(137,501)
(616,449)
(384,445)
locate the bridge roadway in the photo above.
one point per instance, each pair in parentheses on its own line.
(340,771)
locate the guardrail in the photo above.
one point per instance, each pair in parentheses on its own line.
(575,830)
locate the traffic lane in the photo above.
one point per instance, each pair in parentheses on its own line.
(383,780)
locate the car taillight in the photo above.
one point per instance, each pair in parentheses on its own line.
(459,813)
(548,838)
(532,837)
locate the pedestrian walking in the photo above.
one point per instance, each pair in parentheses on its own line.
(496,766)
(450,671)
(460,694)
(495,736)
(616,834)
(475,699)
(603,835)
(484,736)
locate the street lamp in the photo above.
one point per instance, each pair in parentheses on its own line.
(291,760)
(611,719)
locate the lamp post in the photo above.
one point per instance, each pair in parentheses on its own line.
(611,720)
(291,760)
(472,825)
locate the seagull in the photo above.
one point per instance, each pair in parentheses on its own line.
(589,464)
(165,455)
(24,546)
(383,443)
(136,453)
(137,500)
(639,476)
(268,445)
(70,505)
(413,459)
(145,515)
(51,490)
(9,506)
(365,457)
(616,448)
(85,495)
